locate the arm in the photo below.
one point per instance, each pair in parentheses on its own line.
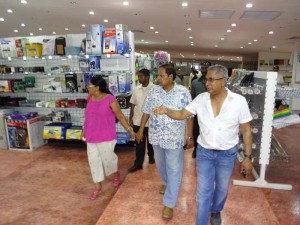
(247,138)
(174,114)
(189,133)
(131,114)
(139,134)
(120,116)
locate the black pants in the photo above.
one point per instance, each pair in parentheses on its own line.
(140,148)
(195,131)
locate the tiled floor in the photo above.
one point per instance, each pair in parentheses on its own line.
(51,186)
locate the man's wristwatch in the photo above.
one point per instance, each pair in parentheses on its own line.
(189,138)
(247,156)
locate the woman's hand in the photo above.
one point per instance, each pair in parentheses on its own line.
(139,136)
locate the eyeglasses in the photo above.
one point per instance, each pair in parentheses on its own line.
(91,86)
(211,80)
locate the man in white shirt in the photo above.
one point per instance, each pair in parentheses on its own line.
(221,115)
(136,102)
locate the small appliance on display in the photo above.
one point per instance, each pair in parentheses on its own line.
(71,82)
(109,41)
(60,44)
(94,62)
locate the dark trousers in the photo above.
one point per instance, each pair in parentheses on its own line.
(140,148)
(195,131)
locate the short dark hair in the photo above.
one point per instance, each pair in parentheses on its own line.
(170,69)
(145,72)
(206,63)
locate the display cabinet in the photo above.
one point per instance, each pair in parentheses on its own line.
(260,94)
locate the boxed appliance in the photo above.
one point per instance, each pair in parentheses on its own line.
(84,65)
(56,130)
(71,82)
(48,46)
(34,49)
(122,39)
(113,84)
(94,39)
(60,44)
(123,100)
(94,63)
(109,41)
(74,133)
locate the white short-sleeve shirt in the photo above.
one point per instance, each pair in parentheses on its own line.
(138,97)
(220,132)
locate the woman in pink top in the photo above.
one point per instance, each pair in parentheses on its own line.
(100,133)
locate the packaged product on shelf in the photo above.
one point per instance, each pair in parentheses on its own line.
(20,46)
(94,39)
(34,49)
(84,65)
(56,130)
(113,84)
(74,133)
(122,40)
(6,48)
(109,41)
(5,86)
(94,63)
(60,44)
(48,46)
(71,82)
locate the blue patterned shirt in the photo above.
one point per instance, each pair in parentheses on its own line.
(164,131)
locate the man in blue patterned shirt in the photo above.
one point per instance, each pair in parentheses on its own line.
(167,136)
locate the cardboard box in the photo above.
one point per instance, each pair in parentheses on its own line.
(34,49)
(94,39)
(122,39)
(109,41)
(74,133)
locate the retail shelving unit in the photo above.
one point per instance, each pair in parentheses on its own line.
(262,102)
(112,65)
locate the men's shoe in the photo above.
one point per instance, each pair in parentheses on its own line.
(134,168)
(151,161)
(167,213)
(215,219)
(162,189)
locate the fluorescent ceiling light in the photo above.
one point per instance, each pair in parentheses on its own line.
(9,11)
(216,14)
(184,4)
(91,13)
(125,3)
(249,5)
(260,15)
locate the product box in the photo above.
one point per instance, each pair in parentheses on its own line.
(84,65)
(94,63)
(6,48)
(109,41)
(123,100)
(54,86)
(60,44)
(5,86)
(74,133)
(113,84)
(123,137)
(34,49)
(56,130)
(71,82)
(122,83)
(94,39)
(48,46)
(122,39)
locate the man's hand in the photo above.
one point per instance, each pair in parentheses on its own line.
(139,136)
(246,166)
(160,110)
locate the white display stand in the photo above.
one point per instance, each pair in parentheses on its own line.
(269,79)
(34,129)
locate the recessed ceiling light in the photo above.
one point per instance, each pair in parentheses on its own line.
(222,39)
(40,28)
(66,28)
(72,2)
(255,40)
(184,4)
(249,5)
(241,47)
(22,25)
(190,37)
(189,29)
(31,34)
(16,31)
(9,11)
(105,20)
(228,31)
(23,1)
(142,40)
(273,46)
(237,57)
(231,59)
(249,43)
(271,32)
(146,42)
(91,13)
(194,54)
(2,19)
(216,46)
(166,41)
(233,24)
(53,32)
(192,42)
(156,32)
(83,25)
(151,28)
(125,3)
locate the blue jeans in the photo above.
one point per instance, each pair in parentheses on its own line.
(214,169)
(169,163)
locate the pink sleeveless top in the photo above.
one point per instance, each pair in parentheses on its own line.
(100,121)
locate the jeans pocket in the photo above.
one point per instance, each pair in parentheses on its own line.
(230,152)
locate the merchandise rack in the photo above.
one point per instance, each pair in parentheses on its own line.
(266,105)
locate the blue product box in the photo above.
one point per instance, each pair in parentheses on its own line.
(94,63)
(84,65)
